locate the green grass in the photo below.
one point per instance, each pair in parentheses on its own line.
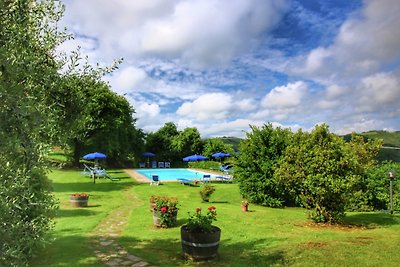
(261,237)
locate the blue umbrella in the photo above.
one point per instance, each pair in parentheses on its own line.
(195,158)
(148,154)
(95,156)
(221,155)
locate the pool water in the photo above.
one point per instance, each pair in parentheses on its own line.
(173,174)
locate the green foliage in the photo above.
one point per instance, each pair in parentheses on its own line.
(202,223)
(170,144)
(256,163)
(28,73)
(160,142)
(187,142)
(206,192)
(322,171)
(205,165)
(234,142)
(375,191)
(166,208)
(214,145)
(100,120)
(390,139)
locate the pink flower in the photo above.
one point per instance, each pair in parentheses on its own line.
(163,209)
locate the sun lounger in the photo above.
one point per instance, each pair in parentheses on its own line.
(185,181)
(160,164)
(227,178)
(142,165)
(167,164)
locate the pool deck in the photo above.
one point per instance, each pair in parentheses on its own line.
(136,176)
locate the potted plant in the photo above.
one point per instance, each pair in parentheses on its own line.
(165,211)
(200,239)
(79,199)
(206,192)
(245,205)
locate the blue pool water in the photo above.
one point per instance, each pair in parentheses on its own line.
(172,174)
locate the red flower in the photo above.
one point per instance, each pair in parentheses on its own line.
(212,208)
(198,210)
(163,209)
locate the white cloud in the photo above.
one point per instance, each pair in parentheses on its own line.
(365,43)
(285,96)
(212,105)
(379,91)
(202,33)
(199,63)
(129,79)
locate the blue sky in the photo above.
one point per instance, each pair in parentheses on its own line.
(222,65)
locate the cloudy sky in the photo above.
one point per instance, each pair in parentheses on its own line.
(222,65)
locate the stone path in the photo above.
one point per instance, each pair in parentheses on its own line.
(105,236)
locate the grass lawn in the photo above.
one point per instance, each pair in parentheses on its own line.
(260,237)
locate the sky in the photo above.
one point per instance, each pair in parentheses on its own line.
(222,65)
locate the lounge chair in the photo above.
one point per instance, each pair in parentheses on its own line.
(102,173)
(155,180)
(142,165)
(167,164)
(87,170)
(185,181)
(225,168)
(227,178)
(160,164)
(154,164)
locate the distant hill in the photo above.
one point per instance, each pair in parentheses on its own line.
(233,141)
(390,140)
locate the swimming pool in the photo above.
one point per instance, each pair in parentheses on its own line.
(173,174)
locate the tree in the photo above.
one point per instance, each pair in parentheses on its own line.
(214,145)
(187,142)
(160,142)
(322,171)
(256,163)
(103,121)
(28,72)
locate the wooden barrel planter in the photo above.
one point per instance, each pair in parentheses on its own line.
(199,246)
(79,201)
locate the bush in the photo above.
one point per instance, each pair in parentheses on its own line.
(256,163)
(206,192)
(375,191)
(323,171)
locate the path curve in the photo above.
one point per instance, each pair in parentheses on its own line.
(105,237)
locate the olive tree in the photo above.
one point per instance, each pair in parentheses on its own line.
(28,71)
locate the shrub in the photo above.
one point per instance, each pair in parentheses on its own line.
(256,163)
(206,192)
(322,170)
